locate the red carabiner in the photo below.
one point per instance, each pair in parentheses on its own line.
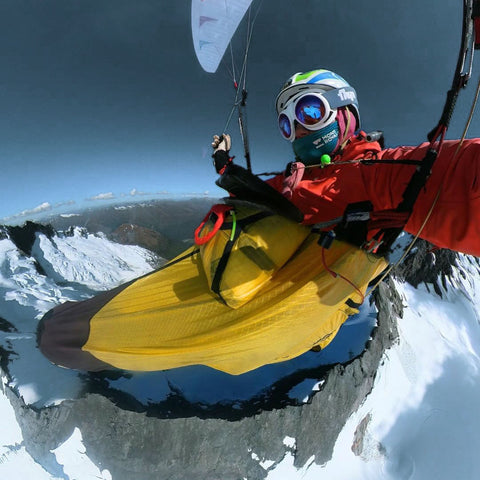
(220,211)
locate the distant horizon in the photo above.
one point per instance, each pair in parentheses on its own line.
(66,209)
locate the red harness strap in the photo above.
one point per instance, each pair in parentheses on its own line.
(220,212)
(387,219)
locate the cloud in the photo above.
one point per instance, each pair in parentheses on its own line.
(43,207)
(134,193)
(102,196)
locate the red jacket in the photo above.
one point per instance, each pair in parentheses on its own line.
(324,193)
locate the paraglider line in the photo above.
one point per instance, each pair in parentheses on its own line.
(339,275)
(233,72)
(239,102)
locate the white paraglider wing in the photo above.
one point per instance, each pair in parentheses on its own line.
(213,24)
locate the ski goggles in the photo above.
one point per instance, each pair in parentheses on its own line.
(313,110)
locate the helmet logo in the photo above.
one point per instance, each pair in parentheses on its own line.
(346,95)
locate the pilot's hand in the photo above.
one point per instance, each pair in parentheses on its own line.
(222,142)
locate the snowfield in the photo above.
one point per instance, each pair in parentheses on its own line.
(421,418)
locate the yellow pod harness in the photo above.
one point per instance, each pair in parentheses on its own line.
(242,246)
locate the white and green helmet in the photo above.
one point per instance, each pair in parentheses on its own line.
(340,92)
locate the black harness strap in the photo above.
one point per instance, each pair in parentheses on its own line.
(222,263)
(244,185)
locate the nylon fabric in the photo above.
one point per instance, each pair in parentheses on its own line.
(323,194)
(170,319)
(213,25)
(237,269)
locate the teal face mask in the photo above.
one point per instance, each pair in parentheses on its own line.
(309,149)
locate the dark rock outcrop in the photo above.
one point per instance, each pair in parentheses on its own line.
(427,264)
(24,236)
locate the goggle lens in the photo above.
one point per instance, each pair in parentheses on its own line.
(285,125)
(310,110)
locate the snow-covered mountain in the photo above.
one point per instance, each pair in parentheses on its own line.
(393,397)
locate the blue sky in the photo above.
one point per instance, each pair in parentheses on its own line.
(105,98)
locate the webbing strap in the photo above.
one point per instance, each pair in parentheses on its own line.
(237,228)
(220,212)
(217,278)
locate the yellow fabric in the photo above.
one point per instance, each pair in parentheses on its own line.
(261,248)
(170,319)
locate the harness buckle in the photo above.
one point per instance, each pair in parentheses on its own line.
(372,245)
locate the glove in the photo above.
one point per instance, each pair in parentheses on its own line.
(221,157)
(222,142)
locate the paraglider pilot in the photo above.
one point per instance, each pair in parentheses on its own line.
(338,165)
